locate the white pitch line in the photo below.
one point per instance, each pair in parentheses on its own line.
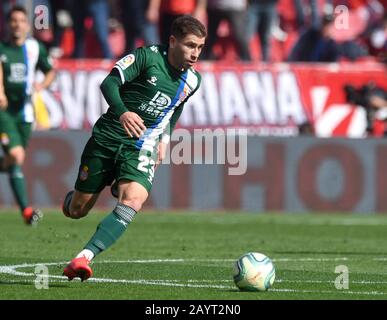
(223,260)
(358,221)
(11,269)
(171,284)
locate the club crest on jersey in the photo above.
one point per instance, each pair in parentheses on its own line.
(126,61)
(4,139)
(184,94)
(83,175)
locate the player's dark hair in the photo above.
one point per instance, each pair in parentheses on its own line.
(186,24)
(16,9)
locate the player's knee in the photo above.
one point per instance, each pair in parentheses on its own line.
(15,156)
(77,212)
(134,203)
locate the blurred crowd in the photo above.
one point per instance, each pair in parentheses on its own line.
(246,30)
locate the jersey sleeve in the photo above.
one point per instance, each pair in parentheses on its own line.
(110,89)
(44,64)
(131,66)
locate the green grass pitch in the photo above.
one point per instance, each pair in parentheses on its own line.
(190,256)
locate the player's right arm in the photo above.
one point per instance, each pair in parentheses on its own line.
(125,70)
(130,121)
(3,97)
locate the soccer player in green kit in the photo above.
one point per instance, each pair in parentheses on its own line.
(146,92)
(20,56)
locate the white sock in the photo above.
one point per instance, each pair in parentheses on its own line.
(89,255)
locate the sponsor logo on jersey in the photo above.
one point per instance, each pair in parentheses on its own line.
(17,73)
(126,61)
(160,100)
(152,80)
(83,175)
(156,106)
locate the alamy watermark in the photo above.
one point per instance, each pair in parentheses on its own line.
(226,147)
(41,280)
(341,21)
(41,17)
(342,280)
(206,146)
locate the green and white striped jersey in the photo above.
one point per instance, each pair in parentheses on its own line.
(19,68)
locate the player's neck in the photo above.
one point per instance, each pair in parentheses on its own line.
(18,41)
(172,63)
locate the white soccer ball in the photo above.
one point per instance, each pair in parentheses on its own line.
(254,272)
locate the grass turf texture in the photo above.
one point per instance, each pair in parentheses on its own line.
(190,256)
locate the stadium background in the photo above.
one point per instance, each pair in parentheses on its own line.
(310,147)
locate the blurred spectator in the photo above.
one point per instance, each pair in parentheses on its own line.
(261,16)
(61,19)
(140,20)
(99,11)
(306,129)
(316,44)
(234,12)
(301,14)
(171,9)
(376,39)
(374,101)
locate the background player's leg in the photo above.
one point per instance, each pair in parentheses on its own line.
(77,204)
(2,165)
(14,160)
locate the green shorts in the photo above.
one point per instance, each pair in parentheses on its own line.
(13,132)
(101,166)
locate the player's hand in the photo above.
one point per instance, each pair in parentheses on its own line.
(133,124)
(161,151)
(3,101)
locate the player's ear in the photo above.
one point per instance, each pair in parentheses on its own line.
(172,41)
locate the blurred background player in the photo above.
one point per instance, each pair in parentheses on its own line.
(99,10)
(20,57)
(140,19)
(172,9)
(235,13)
(146,92)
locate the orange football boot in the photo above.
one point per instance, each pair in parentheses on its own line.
(78,267)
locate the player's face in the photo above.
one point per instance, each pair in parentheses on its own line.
(186,51)
(19,25)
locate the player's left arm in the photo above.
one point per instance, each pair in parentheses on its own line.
(46,67)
